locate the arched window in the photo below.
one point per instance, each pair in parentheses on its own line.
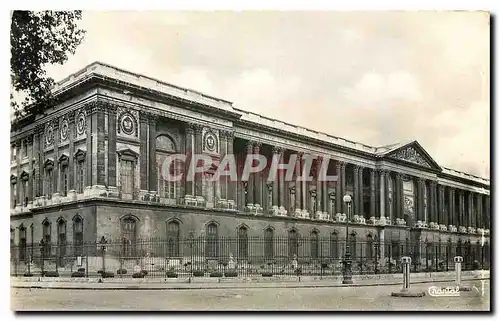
(78,235)
(269,243)
(293,243)
(212,238)
(334,245)
(173,238)
(314,244)
(167,187)
(12,234)
(369,247)
(242,242)
(61,240)
(128,227)
(47,238)
(22,243)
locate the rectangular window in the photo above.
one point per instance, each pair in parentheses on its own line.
(127,176)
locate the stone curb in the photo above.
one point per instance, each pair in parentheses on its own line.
(191,286)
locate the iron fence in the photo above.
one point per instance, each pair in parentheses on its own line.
(242,256)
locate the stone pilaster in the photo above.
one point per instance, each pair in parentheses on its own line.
(338,188)
(324,186)
(18,172)
(257,177)
(461,220)
(231,185)
(281,181)
(55,172)
(29,142)
(111,145)
(188,182)
(355,201)
(89,142)
(71,170)
(451,205)
(37,158)
(100,150)
(143,148)
(198,149)
(373,211)
(276,154)
(250,185)
(487,216)
(153,168)
(223,152)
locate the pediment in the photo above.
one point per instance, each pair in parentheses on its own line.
(414,154)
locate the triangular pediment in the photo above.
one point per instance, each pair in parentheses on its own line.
(412,153)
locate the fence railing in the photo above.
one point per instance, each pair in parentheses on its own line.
(246,255)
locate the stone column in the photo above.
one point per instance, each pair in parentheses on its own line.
(388,203)
(487,215)
(382,175)
(451,207)
(441,205)
(338,188)
(143,150)
(421,200)
(257,178)
(189,181)
(398,191)
(355,201)
(461,221)
(276,201)
(111,146)
(250,187)
(319,185)
(343,187)
(29,141)
(231,185)
(372,194)
(479,216)
(361,206)
(153,170)
(198,149)
(298,187)
(281,181)
(433,211)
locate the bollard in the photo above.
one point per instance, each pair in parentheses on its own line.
(405,291)
(458,271)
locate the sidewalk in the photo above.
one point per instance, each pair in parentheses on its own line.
(235,283)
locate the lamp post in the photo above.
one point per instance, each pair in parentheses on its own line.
(103,248)
(347,274)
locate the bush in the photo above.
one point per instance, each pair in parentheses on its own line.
(28,274)
(51,274)
(81,270)
(108,275)
(198,273)
(324,265)
(216,274)
(137,275)
(99,272)
(171,274)
(144,272)
(267,274)
(298,271)
(231,274)
(78,274)
(121,271)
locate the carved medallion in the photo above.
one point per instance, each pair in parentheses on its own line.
(210,142)
(411,155)
(128,124)
(64,130)
(81,123)
(49,135)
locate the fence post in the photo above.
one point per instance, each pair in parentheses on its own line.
(405,290)
(458,271)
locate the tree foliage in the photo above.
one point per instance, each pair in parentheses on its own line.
(39,38)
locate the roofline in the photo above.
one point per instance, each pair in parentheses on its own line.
(60,87)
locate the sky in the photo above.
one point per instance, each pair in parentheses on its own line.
(373,77)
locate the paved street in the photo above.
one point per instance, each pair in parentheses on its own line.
(357,298)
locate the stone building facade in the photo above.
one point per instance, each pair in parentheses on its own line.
(90,166)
